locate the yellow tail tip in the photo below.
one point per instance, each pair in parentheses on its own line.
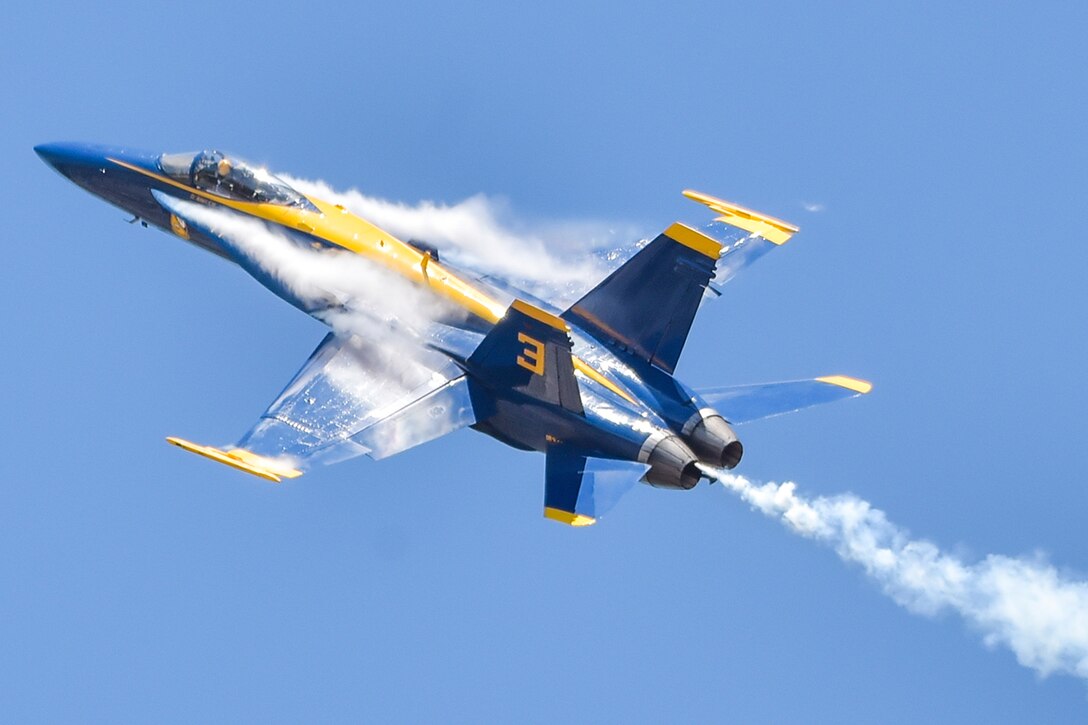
(568,517)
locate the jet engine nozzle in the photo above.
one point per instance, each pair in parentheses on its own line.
(672,463)
(712,439)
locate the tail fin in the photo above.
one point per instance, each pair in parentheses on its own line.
(649,303)
(529,351)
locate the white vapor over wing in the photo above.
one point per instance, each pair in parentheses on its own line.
(337,284)
(1024,604)
(387,316)
(558,262)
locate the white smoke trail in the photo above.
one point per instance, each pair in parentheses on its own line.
(555,262)
(1025,605)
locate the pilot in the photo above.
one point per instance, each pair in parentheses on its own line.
(208,170)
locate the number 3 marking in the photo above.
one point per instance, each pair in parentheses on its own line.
(532,357)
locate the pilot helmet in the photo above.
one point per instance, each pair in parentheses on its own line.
(223,167)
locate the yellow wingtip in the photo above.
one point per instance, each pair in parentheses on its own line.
(845,381)
(260,466)
(568,517)
(772,229)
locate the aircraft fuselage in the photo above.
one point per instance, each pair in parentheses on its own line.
(629,411)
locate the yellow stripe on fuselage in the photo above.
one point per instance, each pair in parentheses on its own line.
(337,225)
(583,367)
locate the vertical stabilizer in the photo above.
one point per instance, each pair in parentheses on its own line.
(528,351)
(647,305)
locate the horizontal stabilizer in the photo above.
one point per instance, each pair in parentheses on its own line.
(270,469)
(579,490)
(746,403)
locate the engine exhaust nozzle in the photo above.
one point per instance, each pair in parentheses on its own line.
(672,463)
(713,440)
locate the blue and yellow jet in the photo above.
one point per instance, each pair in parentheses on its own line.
(590,386)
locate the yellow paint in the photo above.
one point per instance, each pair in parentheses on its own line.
(532,357)
(243,460)
(583,367)
(359,236)
(178,227)
(568,517)
(540,315)
(334,224)
(269,464)
(843,381)
(773,230)
(696,240)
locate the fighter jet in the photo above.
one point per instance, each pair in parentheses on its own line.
(589,384)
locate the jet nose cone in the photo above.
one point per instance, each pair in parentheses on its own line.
(50,153)
(70,159)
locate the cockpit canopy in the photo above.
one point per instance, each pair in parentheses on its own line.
(230,177)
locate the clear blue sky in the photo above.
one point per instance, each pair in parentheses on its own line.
(946,147)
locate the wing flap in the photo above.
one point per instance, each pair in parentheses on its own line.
(432,416)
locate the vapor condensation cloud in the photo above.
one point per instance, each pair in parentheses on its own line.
(387,318)
(342,288)
(1026,605)
(554,262)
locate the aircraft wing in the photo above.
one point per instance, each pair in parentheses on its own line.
(350,399)
(745,403)
(745,235)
